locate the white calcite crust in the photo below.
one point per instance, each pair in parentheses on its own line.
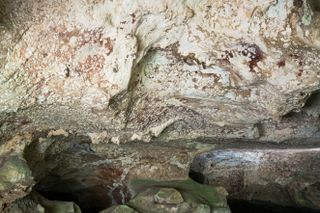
(142,64)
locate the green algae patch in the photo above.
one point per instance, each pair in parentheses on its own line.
(215,197)
(13,171)
(168,196)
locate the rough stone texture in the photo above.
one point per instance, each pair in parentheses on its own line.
(196,197)
(84,83)
(287,177)
(186,68)
(168,196)
(35,203)
(70,167)
(54,206)
(16,180)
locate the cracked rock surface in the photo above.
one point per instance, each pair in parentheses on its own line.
(187,68)
(95,93)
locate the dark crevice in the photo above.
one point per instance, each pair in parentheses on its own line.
(315,4)
(58,166)
(240,206)
(290,114)
(90,200)
(198,173)
(313,99)
(196,176)
(249,206)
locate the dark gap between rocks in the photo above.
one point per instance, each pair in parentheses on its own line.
(241,206)
(315,4)
(96,199)
(314,97)
(66,169)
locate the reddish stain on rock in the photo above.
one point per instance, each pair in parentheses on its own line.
(93,64)
(252,51)
(293,55)
(133,16)
(98,37)
(108,174)
(299,60)
(281,63)
(255,54)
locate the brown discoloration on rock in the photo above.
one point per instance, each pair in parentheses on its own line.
(63,33)
(96,37)
(281,63)
(255,54)
(121,194)
(92,65)
(252,51)
(109,174)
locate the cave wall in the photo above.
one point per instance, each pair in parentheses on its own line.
(84,84)
(186,69)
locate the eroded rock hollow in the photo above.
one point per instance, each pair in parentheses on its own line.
(159,106)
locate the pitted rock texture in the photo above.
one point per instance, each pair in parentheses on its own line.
(209,68)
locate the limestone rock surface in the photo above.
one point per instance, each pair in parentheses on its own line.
(96,93)
(176,69)
(193,197)
(286,177)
